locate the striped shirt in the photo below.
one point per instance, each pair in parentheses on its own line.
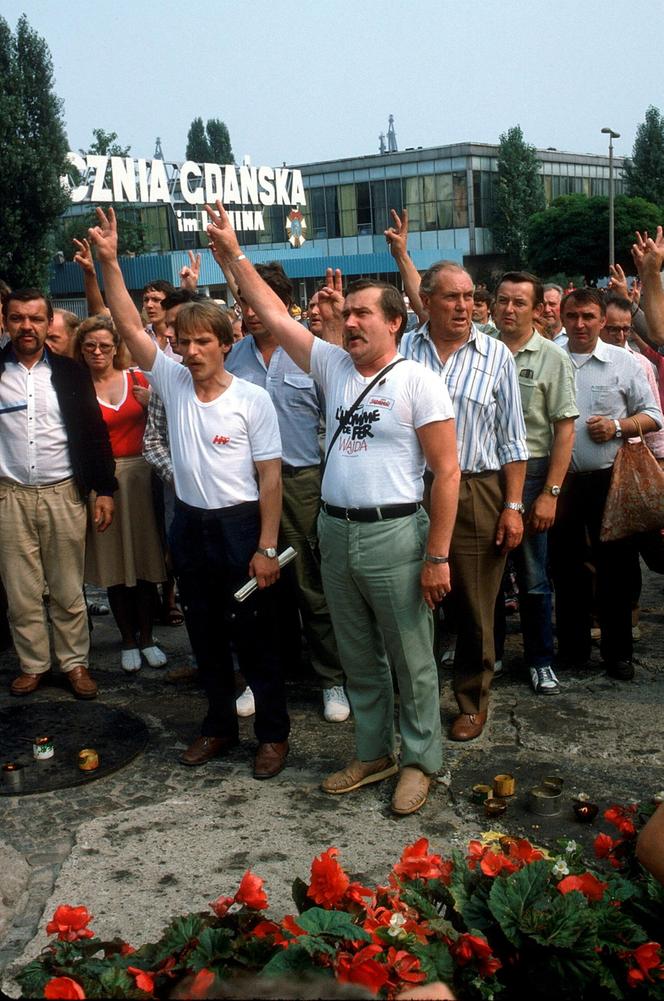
(482,381)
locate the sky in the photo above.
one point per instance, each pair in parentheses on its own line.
(298,82)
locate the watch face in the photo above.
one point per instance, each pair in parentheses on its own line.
(555,491)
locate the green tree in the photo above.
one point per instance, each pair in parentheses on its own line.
(644,172)
(105,144)
(210,143)
(34,156)
(219,141)
(198,147)
(572,235)
(520,193)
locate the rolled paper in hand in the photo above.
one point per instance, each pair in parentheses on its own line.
(248,589)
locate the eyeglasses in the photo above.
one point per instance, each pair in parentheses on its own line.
(618,330)
(91,347)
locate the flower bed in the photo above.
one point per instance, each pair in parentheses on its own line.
(507,920)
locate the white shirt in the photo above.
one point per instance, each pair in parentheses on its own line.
(377,459)
(34,449)
(215,445)
(609,383)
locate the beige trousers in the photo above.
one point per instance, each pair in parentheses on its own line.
(42,543)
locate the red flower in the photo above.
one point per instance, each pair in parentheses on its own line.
(604,845)
(521,850)
(269,929)
(634,977)
(328,880)
(620,817)
(647,956)
(69,923)
(288,924)
(416,863)
(356,894)
(476,852)
(220,905)
(251,893)
(469,948)
(63,987)
(493,863)
(201,984)
(144,980)
(405,966)
(362,968)
(587,884)
(126,949)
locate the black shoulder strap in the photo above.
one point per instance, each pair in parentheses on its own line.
(348,413)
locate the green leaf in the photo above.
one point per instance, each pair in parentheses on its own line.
(180,933)
(511,897)
(214,945)
(413,896)
(339,924)
(116,983)
(561,924)
(435,960)
(293,960)
(616,930)
(32,978)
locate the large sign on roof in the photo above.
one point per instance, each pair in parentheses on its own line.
(103,179)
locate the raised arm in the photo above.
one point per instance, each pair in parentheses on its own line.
(125,315)
(291,335)
(190,273)
(93,297)
(331,304)
(648,256)
(397,241)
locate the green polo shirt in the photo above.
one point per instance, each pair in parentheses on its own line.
(546,381)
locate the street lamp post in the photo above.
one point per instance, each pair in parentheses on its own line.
(612,250)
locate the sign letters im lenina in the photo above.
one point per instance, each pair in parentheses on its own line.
(244,190)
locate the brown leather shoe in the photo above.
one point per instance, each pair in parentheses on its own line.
(204,749)
(411,791)
(25,683)
(467,726)
(359,773)
(81,683)
(270,759)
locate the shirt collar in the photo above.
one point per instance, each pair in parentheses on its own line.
(599,352)
(475,337)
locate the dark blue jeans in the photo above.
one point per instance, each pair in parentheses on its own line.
(211,551)
(530,561)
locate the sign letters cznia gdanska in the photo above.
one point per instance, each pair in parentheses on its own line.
(244,191)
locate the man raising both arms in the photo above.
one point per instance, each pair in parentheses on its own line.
(383,565)
(226,455)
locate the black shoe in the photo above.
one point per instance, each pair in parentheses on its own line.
(622,670)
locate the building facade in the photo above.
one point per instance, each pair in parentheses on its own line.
(449,192)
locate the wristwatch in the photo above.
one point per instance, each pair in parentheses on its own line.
(270,552)
(552,489)
(513,506)
(618,433)
(428,558)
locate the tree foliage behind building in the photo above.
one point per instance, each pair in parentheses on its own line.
(34,149)
(644,171)
(572,235)
(209,143)
(520,193)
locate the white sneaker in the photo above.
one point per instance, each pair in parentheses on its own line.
(544,680)
(498,669)
(244,703)
(154,656)
(336,707)
(131,661)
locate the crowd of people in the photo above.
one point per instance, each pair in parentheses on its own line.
(412,448)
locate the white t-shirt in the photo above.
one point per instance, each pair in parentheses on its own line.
(214,445)
(377,459)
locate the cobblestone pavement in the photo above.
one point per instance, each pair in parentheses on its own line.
(156,839)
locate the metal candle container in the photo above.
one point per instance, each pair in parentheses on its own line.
(544,801)
(12,775)
(479,793)
(42,748)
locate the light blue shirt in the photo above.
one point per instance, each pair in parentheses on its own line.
(482,381)
(295,395)
(612,384)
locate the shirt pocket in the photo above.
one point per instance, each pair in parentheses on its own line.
(299,390)
(527,389)
(604,399)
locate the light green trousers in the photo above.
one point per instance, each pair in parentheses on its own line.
(371,577)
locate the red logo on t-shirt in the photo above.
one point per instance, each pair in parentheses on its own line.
(220,439)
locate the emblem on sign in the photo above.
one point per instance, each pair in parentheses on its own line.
(295,226)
